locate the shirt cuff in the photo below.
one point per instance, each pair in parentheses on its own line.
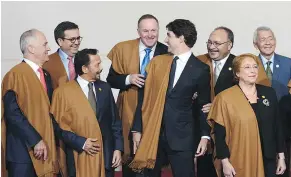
(206,137)
(84,146)
(127,82)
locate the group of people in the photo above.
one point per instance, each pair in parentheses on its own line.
(226,115)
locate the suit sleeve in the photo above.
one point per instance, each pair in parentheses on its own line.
(137,121)
(204,98)
(116,124)
(117,80)
(14,116)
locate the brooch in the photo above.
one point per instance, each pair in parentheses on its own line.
(266,102)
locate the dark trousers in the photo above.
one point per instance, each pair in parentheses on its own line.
(182,162)
(109,173)
(205,167)
(270,167)
(20,169)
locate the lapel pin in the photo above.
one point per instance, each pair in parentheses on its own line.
(100,89)
(277,66)
(229,68)
(266,102)
(263,96)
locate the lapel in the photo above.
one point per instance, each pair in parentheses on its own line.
(261,107)
(158,50)
(276,70)
(185,73)
(226,71)
(99,97)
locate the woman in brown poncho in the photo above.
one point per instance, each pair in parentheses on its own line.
(246,127)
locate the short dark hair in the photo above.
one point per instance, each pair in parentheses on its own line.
(147,16)
(59,31)
(182,27)
(230,35)
(82,59)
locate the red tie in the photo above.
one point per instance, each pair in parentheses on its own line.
(71,67)
(42,80)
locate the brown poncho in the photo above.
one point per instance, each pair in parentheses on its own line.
(34,104)
(152,111)
(232,110)
(74,113)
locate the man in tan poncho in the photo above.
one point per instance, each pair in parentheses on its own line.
(28,142)
(85,106)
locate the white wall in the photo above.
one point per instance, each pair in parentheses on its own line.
(103,24)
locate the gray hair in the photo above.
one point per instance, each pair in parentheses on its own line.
(25,39)
(261,28)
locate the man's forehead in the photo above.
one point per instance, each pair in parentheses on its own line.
(72,32)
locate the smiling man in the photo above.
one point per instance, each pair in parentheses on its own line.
(127,73)
(61,63)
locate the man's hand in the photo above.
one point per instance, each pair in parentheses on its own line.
(281,167)
(116,160)
(91,147)
(202,147)
(137,79)
(40,151)
(206,108)
(228,169)
(136,136)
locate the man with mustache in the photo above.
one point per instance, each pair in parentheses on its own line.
(219,59)
(127,73)
(61,63)
(86,107)
(277,68)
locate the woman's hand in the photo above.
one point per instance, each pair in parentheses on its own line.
(228,169)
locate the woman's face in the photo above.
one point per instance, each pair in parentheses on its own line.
(248,71)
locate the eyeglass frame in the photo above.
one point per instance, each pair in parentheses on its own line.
(215,44)
(74,39)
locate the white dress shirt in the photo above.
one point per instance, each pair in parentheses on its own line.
(222,62)
(33,66)
(181,63)
(264,60)
(142,54)
(84,86)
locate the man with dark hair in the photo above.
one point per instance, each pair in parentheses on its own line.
(61,63)
(127,73)
(168,125)
(219,59)
(85,106)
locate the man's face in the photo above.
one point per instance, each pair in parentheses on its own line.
(40,48)
(148,31)
(266,43)
(173,42)
(71,42)
(94,68)
(218,45)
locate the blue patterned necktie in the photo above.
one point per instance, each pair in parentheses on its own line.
(145,61)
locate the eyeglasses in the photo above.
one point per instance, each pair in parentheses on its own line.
(73,40)
(248,68)
(216,44)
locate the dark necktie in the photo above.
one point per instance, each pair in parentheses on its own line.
(172,73)
(91,97)
(269,71)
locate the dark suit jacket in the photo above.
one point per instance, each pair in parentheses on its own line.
(21,135)
(178,123)
(118,81)
(225,79)
(110,125)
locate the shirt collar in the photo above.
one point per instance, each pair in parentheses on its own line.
(264,60)
(33,65)
(62,54)
(82,82)
(142,47)
(184,57)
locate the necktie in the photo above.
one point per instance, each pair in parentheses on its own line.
(42,79)
(145,61)
(217,70)
(269,71)
(72,73)
(172,73)
(91,97)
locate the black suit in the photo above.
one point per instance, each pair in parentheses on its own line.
(20,134)
(225,80)
(177,137)
(118,81)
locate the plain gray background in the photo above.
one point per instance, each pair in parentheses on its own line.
(103,24)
